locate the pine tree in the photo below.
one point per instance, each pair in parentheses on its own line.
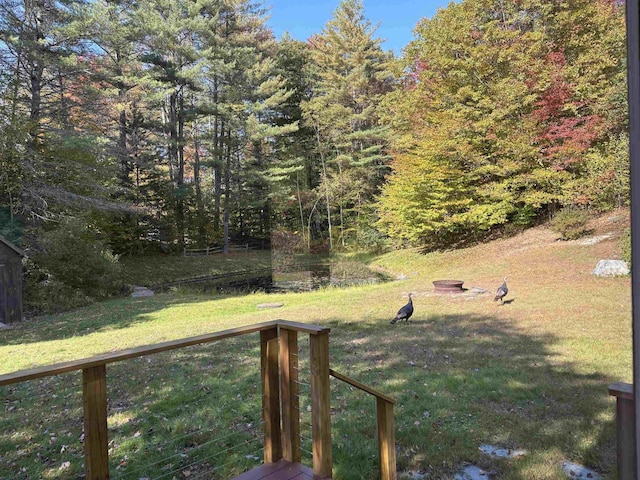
(53,156)
(351,73)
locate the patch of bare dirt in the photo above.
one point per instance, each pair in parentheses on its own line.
(612,223)
(607,226)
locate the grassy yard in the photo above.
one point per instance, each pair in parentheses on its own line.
(531,374)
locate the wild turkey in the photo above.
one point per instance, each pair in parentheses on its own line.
(501,292)
(405,312)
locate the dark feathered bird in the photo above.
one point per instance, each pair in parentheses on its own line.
(405,312)
(501,292)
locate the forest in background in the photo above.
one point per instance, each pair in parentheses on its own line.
(140,127)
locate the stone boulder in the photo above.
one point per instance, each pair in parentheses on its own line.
(611,268)
(141,292)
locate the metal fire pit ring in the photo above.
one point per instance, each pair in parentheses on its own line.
(448,286)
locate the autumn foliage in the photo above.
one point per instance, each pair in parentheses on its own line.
(508,110)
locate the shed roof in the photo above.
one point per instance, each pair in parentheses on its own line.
(11,246)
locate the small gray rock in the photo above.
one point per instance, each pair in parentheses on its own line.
(414,475)
(501,452)
(573,470)
(270,305)
(611,268)
(471,472)
(141,292)
(594,240)
(478,291)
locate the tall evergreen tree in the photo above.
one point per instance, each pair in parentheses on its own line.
(53,155)
(294,174)
(351,76)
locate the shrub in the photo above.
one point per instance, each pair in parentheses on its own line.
(10,228)
(369,239)
(570,223)
(625,246)
(53,297)
(74,257)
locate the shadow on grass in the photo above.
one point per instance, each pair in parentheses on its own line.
(192,413)
(459,381)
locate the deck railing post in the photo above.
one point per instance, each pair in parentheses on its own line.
(290,390)
(625,425)
(270,395)
(96,449)
(386,439)
(320,405)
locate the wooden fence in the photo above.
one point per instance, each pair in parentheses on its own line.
(216,249)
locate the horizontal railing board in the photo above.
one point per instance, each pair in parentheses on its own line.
(135,352)
(303,327)
(621,390)
(361,386)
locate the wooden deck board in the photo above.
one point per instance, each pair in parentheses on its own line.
(280,470)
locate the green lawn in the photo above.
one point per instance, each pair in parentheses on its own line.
(531,374)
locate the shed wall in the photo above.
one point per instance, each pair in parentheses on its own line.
(10,285)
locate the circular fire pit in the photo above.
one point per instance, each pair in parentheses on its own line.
(448,286)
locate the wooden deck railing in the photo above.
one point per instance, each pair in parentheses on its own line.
(280,396)
(625,429)
(386,428)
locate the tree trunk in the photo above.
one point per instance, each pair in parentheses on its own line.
(217,172)
(125,166)
(200,213)
(300,206)
(227,194)
(326,188)
(180,220)
(35,62)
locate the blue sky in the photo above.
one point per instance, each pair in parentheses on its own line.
(397,18)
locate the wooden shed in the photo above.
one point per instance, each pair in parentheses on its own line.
(10,282)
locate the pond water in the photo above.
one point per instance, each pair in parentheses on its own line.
(308,274)
(312,276)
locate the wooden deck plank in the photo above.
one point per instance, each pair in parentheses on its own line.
(262,470)
(280,470)
(303,476)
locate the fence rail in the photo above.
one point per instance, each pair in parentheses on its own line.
(280,396)
(107,358)
(217,249)
(386,428)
